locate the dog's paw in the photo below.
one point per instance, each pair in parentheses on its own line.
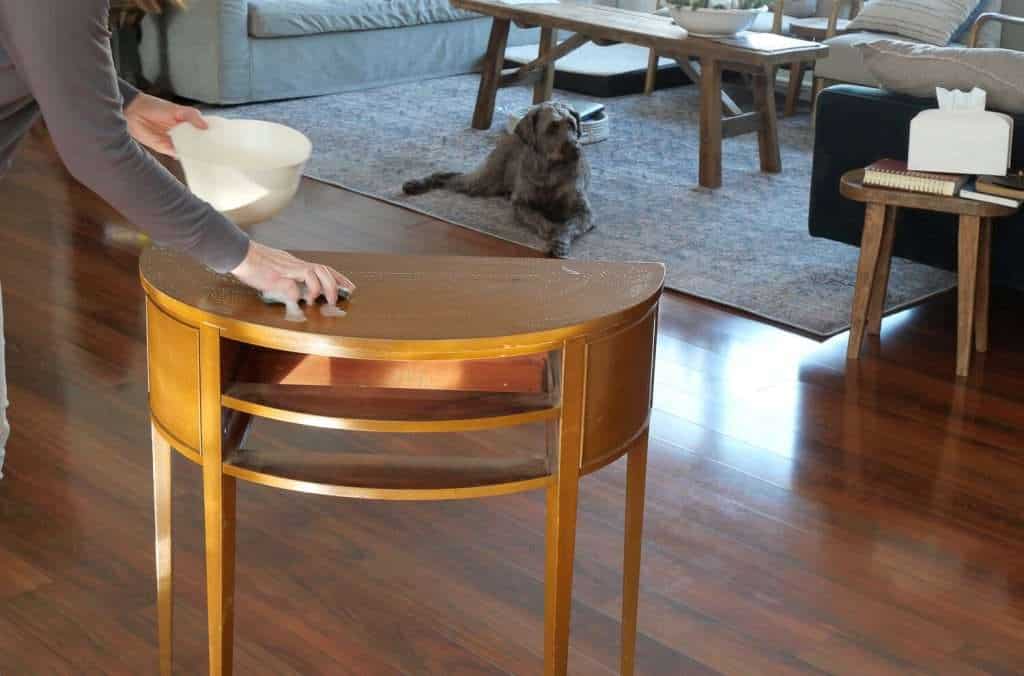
(414,187)
(559,250)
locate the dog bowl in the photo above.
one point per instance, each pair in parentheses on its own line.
(247,169)
(713,23)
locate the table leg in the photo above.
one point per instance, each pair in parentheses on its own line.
(562,499)
(984,283)
(651,78)
(877,305)
(164,560)
(710,123)
(218,508)
(636,475)
(544,88)
(867,265)
(490,78)
(967,277)
(768,132)
(796,80)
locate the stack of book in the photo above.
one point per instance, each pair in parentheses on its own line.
(1004,190)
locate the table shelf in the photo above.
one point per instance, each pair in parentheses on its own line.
(384,474)
(375,409)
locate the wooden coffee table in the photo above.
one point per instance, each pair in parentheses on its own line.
(429,344)
(974,250)
(755,53)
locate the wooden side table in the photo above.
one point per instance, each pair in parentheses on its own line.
(429,344)
(974,252)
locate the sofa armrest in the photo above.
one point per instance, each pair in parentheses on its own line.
(201,52)
(980,22)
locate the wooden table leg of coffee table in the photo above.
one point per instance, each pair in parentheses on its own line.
(768,132)
(545,86)
(878,293)
(490,78)
(651,78)
(796,81)
(984,283)
(867,265)
(710,123)
(967,278)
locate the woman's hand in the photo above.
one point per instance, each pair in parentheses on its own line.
(150,119)
(277,272)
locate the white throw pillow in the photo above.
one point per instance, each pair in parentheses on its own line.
(930,21)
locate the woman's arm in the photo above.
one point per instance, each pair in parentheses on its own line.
(61,50)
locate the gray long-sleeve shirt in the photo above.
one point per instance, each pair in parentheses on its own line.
(55,60)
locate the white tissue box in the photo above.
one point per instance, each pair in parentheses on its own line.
(961,142)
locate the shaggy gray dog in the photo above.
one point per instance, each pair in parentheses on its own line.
(542,169)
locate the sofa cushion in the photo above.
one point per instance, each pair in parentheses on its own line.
(844,62)
(916,70)
(931,21)
(290,18)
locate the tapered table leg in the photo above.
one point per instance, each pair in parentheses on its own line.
(967,276)
(164,554)
(219,510)
(867,266)
(562,497)
(710,123)
(636,479)
(490,78)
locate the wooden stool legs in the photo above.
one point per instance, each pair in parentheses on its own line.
(984,281)
(967,283)
(164,567)
(636,479)
(974,251)
(876,307)
(875,221)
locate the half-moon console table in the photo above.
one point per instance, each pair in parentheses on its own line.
(428,344)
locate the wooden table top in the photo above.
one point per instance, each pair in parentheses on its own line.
(418,305)
(649,30)
(852,187)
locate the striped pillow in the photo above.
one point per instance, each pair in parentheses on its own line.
(930,21)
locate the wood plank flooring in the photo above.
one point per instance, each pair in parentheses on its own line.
(805,514)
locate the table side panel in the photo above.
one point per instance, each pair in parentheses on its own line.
(173,349)
(620,380)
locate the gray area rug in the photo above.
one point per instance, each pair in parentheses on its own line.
(744,245)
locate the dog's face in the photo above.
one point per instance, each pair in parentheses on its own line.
(552,130)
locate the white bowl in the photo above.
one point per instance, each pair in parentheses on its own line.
(713,23)
(247,169)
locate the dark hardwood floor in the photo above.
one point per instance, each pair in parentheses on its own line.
(804,514)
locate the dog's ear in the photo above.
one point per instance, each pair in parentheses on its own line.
(526,130)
